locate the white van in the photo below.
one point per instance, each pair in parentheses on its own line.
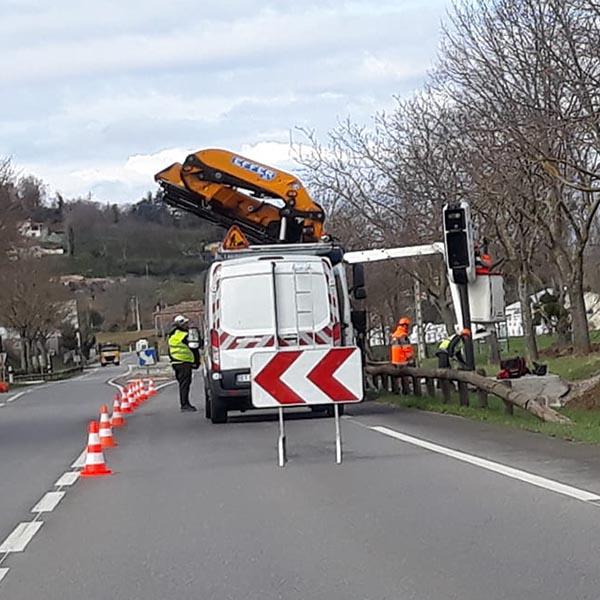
(285,296)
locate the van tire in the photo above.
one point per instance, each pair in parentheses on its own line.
(207,406)
(218,410)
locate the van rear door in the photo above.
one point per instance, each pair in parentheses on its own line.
(303,294)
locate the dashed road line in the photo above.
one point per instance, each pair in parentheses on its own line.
(80,462)
(21,536)
(68,478)
(48,502)
(501,469)
(24,532)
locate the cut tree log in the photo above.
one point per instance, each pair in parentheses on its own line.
(491,386)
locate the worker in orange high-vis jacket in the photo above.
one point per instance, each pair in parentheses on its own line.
(402,352)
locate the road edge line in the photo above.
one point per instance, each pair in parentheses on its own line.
(489,465)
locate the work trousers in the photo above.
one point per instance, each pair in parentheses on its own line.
(443,359)
(183,374)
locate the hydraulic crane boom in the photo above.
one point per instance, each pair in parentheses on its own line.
(228,189)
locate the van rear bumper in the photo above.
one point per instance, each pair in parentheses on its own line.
(236,394)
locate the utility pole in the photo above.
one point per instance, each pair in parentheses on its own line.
(421,346)
(135,311)
(137,314)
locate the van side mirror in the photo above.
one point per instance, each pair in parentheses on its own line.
(194,339)
(358,276)
(359,321)
(360,293)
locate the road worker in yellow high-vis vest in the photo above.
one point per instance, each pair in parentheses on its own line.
(450,348)
(183,360)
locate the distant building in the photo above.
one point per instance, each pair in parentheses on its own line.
(163,316)
(93,284)
(45,239)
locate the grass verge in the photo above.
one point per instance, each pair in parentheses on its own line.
(585,427)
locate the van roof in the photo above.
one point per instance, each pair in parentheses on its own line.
(280,257)
(333,252)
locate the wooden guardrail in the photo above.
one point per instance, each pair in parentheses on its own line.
(407,380)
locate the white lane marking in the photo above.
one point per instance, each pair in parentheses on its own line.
(2,404)
(68,478)
(3,572)
(13,398)
(542,482)
(48,502)
(162,385)
(21,536)
(80,462)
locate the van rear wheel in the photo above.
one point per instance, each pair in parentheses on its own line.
(218,410)
(207,406)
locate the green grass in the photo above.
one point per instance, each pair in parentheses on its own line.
(585,427)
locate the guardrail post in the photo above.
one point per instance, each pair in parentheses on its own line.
(405,386)
(430,383)
(446,394)
(482,395)
(509,409)
(416,384)
(463,393)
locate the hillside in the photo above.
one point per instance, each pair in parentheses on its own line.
(147,238)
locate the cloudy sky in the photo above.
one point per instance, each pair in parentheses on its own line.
(97,96)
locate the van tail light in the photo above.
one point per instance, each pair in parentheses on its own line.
(214,350)
(337,334)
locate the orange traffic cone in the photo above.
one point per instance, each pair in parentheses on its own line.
(142,392)
(106,435)
(134,399)
(151,388)
(117,419)
(94,457)
(125,406)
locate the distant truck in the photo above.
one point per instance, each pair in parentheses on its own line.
(291,296)
(110,353)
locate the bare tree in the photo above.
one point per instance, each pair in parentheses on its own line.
(530,69)
(388,184)
(9,210)
(31,303)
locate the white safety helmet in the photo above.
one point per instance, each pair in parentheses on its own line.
(180,320)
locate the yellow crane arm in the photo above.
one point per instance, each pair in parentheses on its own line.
(215,184)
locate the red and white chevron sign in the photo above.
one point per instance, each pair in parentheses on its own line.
(301,377)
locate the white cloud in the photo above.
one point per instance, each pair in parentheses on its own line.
(103,94)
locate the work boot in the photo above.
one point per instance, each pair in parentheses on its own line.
(188,408)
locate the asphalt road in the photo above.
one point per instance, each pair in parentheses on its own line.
(42,431)
(202,511)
